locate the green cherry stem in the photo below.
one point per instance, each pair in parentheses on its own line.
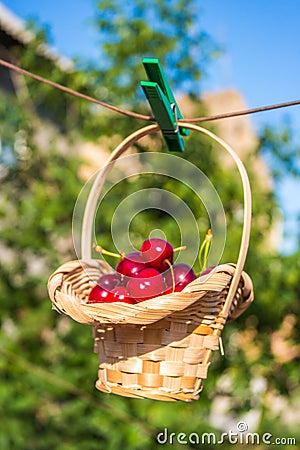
(172,274)
(178,249)
(203,252)
(200,254)
(102,251)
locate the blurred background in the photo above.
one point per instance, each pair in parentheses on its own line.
(217,58)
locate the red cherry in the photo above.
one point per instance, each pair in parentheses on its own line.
(110,280)
(168,290)
(149,272)
(148,284)
(132,264)
(120,294)
(207,271)
(99,295)
(156,251)
(183,275)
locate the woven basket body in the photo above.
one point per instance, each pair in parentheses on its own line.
(160,348)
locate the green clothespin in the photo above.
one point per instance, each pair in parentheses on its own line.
(163,105)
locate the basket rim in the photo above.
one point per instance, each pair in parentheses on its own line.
(88,217)
(64,296)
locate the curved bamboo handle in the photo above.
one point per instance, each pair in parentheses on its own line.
(90,208)
(91,205)
(247,216)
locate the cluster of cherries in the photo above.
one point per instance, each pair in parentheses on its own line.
(143,274)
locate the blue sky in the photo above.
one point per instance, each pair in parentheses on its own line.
(262,47)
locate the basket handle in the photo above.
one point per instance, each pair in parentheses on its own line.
(90,209)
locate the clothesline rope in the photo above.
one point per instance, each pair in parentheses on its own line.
(136,115)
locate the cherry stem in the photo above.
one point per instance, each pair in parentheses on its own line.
(172,274)
(177,249)
(102,251)
(204,250)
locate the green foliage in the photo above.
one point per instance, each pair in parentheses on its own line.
(169,31)
(47,365)
(280,151)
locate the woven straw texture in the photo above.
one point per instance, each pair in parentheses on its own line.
(159,348)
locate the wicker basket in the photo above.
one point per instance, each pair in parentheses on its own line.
(160,348)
